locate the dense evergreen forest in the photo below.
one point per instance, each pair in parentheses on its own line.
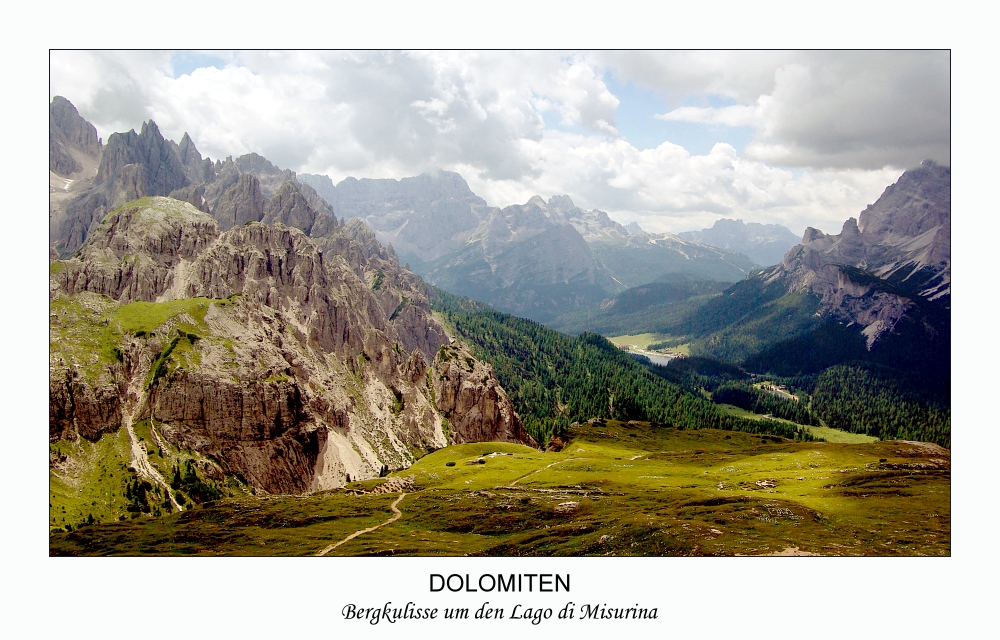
(555,379)
(878,401)
(746,396)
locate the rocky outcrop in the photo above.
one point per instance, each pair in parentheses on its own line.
(469,396)
(259,430)
(133,251)
(290,208)
(162,170)
(304,365)
(194,195)
(78,409)
(69,133)
(241,203)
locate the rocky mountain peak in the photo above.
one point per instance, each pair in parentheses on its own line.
(289,207)
(536,201)
(903,239)
(811,234)
(561,203)
(194,166)
(72,130)
(159,161)
(261,167)
(241,203)
(918,202)
(423,217)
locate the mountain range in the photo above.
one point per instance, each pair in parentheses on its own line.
(765,244)
(538,260)
(224,327)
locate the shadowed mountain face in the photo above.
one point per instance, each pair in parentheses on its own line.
(765,244)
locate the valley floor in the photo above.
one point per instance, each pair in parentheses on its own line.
(614,489)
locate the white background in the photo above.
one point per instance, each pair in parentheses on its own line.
(695,597)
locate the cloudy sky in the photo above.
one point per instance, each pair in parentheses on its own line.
(673,140)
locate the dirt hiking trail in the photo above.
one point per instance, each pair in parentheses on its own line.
(397,513)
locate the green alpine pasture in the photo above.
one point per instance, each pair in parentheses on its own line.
(615,488)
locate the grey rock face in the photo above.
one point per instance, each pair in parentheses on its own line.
(162,170)
(194,166)
(193,195)
(132,166)
(423,217)
(475,411)
(527,260)
(68,130)
(290,208)
(61,160)
(77,131)
(241,203)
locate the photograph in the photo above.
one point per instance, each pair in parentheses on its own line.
(498,303)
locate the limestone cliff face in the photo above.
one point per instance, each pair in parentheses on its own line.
(70,135)
(475,404)
(162,169)
(241,203)
(300,362)
(289,207)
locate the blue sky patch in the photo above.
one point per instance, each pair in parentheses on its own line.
(636,124)
(184,62)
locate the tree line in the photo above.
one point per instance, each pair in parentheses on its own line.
(554,379)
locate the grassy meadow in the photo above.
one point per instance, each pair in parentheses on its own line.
(621,489)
